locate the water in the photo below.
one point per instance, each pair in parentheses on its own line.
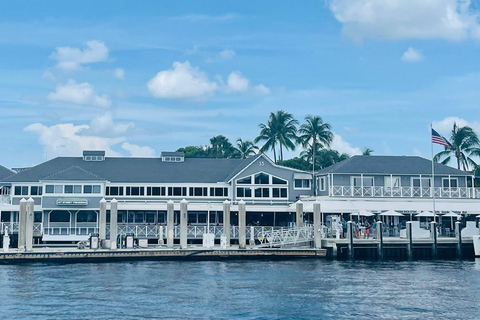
(300,289)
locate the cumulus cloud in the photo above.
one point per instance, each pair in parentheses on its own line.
(69,58)
(412,55)
(79,93)
(261,90)
(180,82)
(236,82)
(452,20)
(343,146)
(445,126)
(227,54)
(105,126)
(66,139)
(120,73)
(138,151)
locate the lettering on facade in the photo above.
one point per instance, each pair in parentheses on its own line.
(72,202)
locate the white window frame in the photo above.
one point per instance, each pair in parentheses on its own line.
(449,182)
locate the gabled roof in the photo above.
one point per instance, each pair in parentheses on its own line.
(403,165)
(5,172)
(134,170)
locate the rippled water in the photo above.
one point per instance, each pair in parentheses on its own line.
(300,289)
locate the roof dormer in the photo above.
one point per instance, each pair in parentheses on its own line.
(173,156)
(93,155)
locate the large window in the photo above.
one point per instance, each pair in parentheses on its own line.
(114,191)
(246,180)
(367,181)
(155,191)
(450,183)
(177,191)
(21,190)
(134,191)
(218,192)
(198,191)
(392,182)
(36,191)
(302,184)
(91,189)
(86,216)
(262,178)
(421,182)
(244,192)
(60,216)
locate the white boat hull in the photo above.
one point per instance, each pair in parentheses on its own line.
(476,245)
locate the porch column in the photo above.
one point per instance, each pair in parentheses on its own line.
(170,211)
(183,223)
(299,214)
(316,225)
(226,221)
(102,220)
(29,224)
(113,223)
(242,221)
(22,221)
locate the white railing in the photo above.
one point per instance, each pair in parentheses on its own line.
(5,199)
(68,231)
(404,192)
(286,236)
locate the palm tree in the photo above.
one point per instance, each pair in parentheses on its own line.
(463,144)
(267,133)
(245,148)
(220,147)
(367,151)
(281,128)
(315,134)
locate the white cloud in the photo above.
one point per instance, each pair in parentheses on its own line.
(66,139)
(236,82)
(103,125)
(183,81)
(120,73)
(451,20)
(261,90)
(412,55)
(79,93)
(227,54)
(445,126)
(138,151)
(344,147)
(69,58)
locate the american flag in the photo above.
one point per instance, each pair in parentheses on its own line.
(437,138)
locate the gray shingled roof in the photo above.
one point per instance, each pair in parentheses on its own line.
(5,172)
(390,165)
(141,170)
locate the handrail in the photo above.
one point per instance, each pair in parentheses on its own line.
(405,192)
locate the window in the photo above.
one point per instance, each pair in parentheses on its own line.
(367,181)
(155,191)
(59,216)
(77,189)
(198,191)
(244,192)
(302,184)
(322,185)
(58,188)
(86,216)
(177,191)
(276,180)
(262,178)
(247,180)
(279,192)
(219,192)
(87,189)
(150,216)
(262,192)
(114,191)
(450,183)
(421,182)
(49,189)
(392,182)
(36,191)
(21,191)
(162,216)
(68,189)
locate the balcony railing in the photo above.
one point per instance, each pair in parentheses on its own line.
(405,192)
(5,199)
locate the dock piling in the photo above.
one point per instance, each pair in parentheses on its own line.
(29,224)
(350,239)
(316,225)
(380,240)
(102,220)
(242,237)
(433,234)
(410,241)
(299,214)
(113,224)
(170,212)
(458,235)
(226,222)
(22,221)
(183,223)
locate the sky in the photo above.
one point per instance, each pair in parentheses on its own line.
(135,78)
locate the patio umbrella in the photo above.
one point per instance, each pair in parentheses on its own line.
(426,214)
(392,213)
(363,213)
(452,215)
(478,216)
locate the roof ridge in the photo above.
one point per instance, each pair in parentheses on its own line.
(74,167)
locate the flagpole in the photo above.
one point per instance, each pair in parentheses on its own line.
(433,174)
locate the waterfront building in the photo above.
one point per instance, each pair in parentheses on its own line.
(67,192)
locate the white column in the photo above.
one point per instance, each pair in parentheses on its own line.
(226,221)
(29,224)
(242,221)
(102,220)
(183,223)
(299,214)
(316,225)
(113,224)
(22,221)
(170,221)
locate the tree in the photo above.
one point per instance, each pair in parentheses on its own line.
(268,135)
(281,128)
(220,147)
(367,151)
(245,148)
(296,163)
(463,144)
(324,158)
(194,151)
(315,134)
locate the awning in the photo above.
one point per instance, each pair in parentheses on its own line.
(302,176)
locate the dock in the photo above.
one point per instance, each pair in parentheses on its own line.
(74,255)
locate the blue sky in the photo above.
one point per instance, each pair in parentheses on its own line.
(138,78)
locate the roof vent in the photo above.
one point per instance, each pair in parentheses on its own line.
(173,156)
(92,155)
